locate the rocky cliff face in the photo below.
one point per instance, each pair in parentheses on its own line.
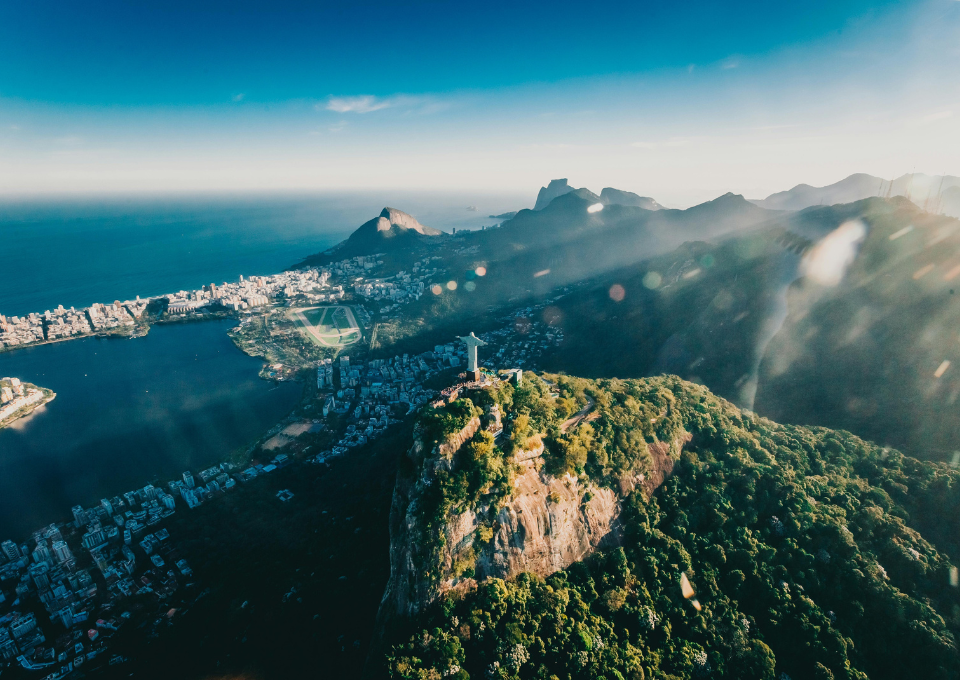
(391,217)
(557,187)
(549,524)
(546,525)
(611,196)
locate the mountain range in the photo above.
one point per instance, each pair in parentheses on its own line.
(609,196)
(923,190)
(720,293)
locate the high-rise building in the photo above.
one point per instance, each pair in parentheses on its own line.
(65,616)
(79,515)
(23,625)
(92,539)
(62,552)
(42,554)
(107,505)
(40,575)
(188,479)
(11,550)
(53,533)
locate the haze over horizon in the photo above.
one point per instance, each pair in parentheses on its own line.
(682,104)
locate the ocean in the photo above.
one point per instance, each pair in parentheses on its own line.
(132,412)
(77,251)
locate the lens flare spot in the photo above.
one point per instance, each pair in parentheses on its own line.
(903,232)
(481,271)
(828,261)
(942,368)
(542,272)
(923,271)
(652,280)
(451,285)
(595,208)
(686,588)
(617,293)
(552,316)
(469,286)
(436,289)
(690,274)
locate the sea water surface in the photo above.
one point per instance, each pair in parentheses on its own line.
(77,251)
(128,413)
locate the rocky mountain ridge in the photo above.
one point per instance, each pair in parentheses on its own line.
(549,520)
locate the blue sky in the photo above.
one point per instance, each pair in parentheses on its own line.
(679,100)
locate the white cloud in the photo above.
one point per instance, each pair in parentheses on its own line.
(730,62)
(367,103)
(361,104)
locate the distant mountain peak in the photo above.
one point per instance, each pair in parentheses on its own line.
(926,191)
(557,187)
(611,196)
(390,231)
(391,217)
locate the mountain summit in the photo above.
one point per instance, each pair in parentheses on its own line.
(392,230)
(557,187)
(611,196)
(393,222)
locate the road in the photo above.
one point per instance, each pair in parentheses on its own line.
(585,414)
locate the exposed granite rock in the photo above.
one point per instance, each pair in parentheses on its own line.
(391,230)
(547,524)
(611,196)
(557,187)
(391,217)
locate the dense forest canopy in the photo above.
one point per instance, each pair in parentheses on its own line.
(771,550)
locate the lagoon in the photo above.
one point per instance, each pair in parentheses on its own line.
(128,413)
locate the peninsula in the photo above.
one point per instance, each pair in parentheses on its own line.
(18,399)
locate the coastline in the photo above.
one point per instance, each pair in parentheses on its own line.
(23,412)
(80,336)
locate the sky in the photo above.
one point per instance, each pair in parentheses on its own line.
(679,101)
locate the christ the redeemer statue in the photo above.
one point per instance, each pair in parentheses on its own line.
(472,342)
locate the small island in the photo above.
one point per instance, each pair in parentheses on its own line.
(18,399)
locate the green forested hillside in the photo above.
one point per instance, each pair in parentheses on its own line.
(876,353)
(812,553)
